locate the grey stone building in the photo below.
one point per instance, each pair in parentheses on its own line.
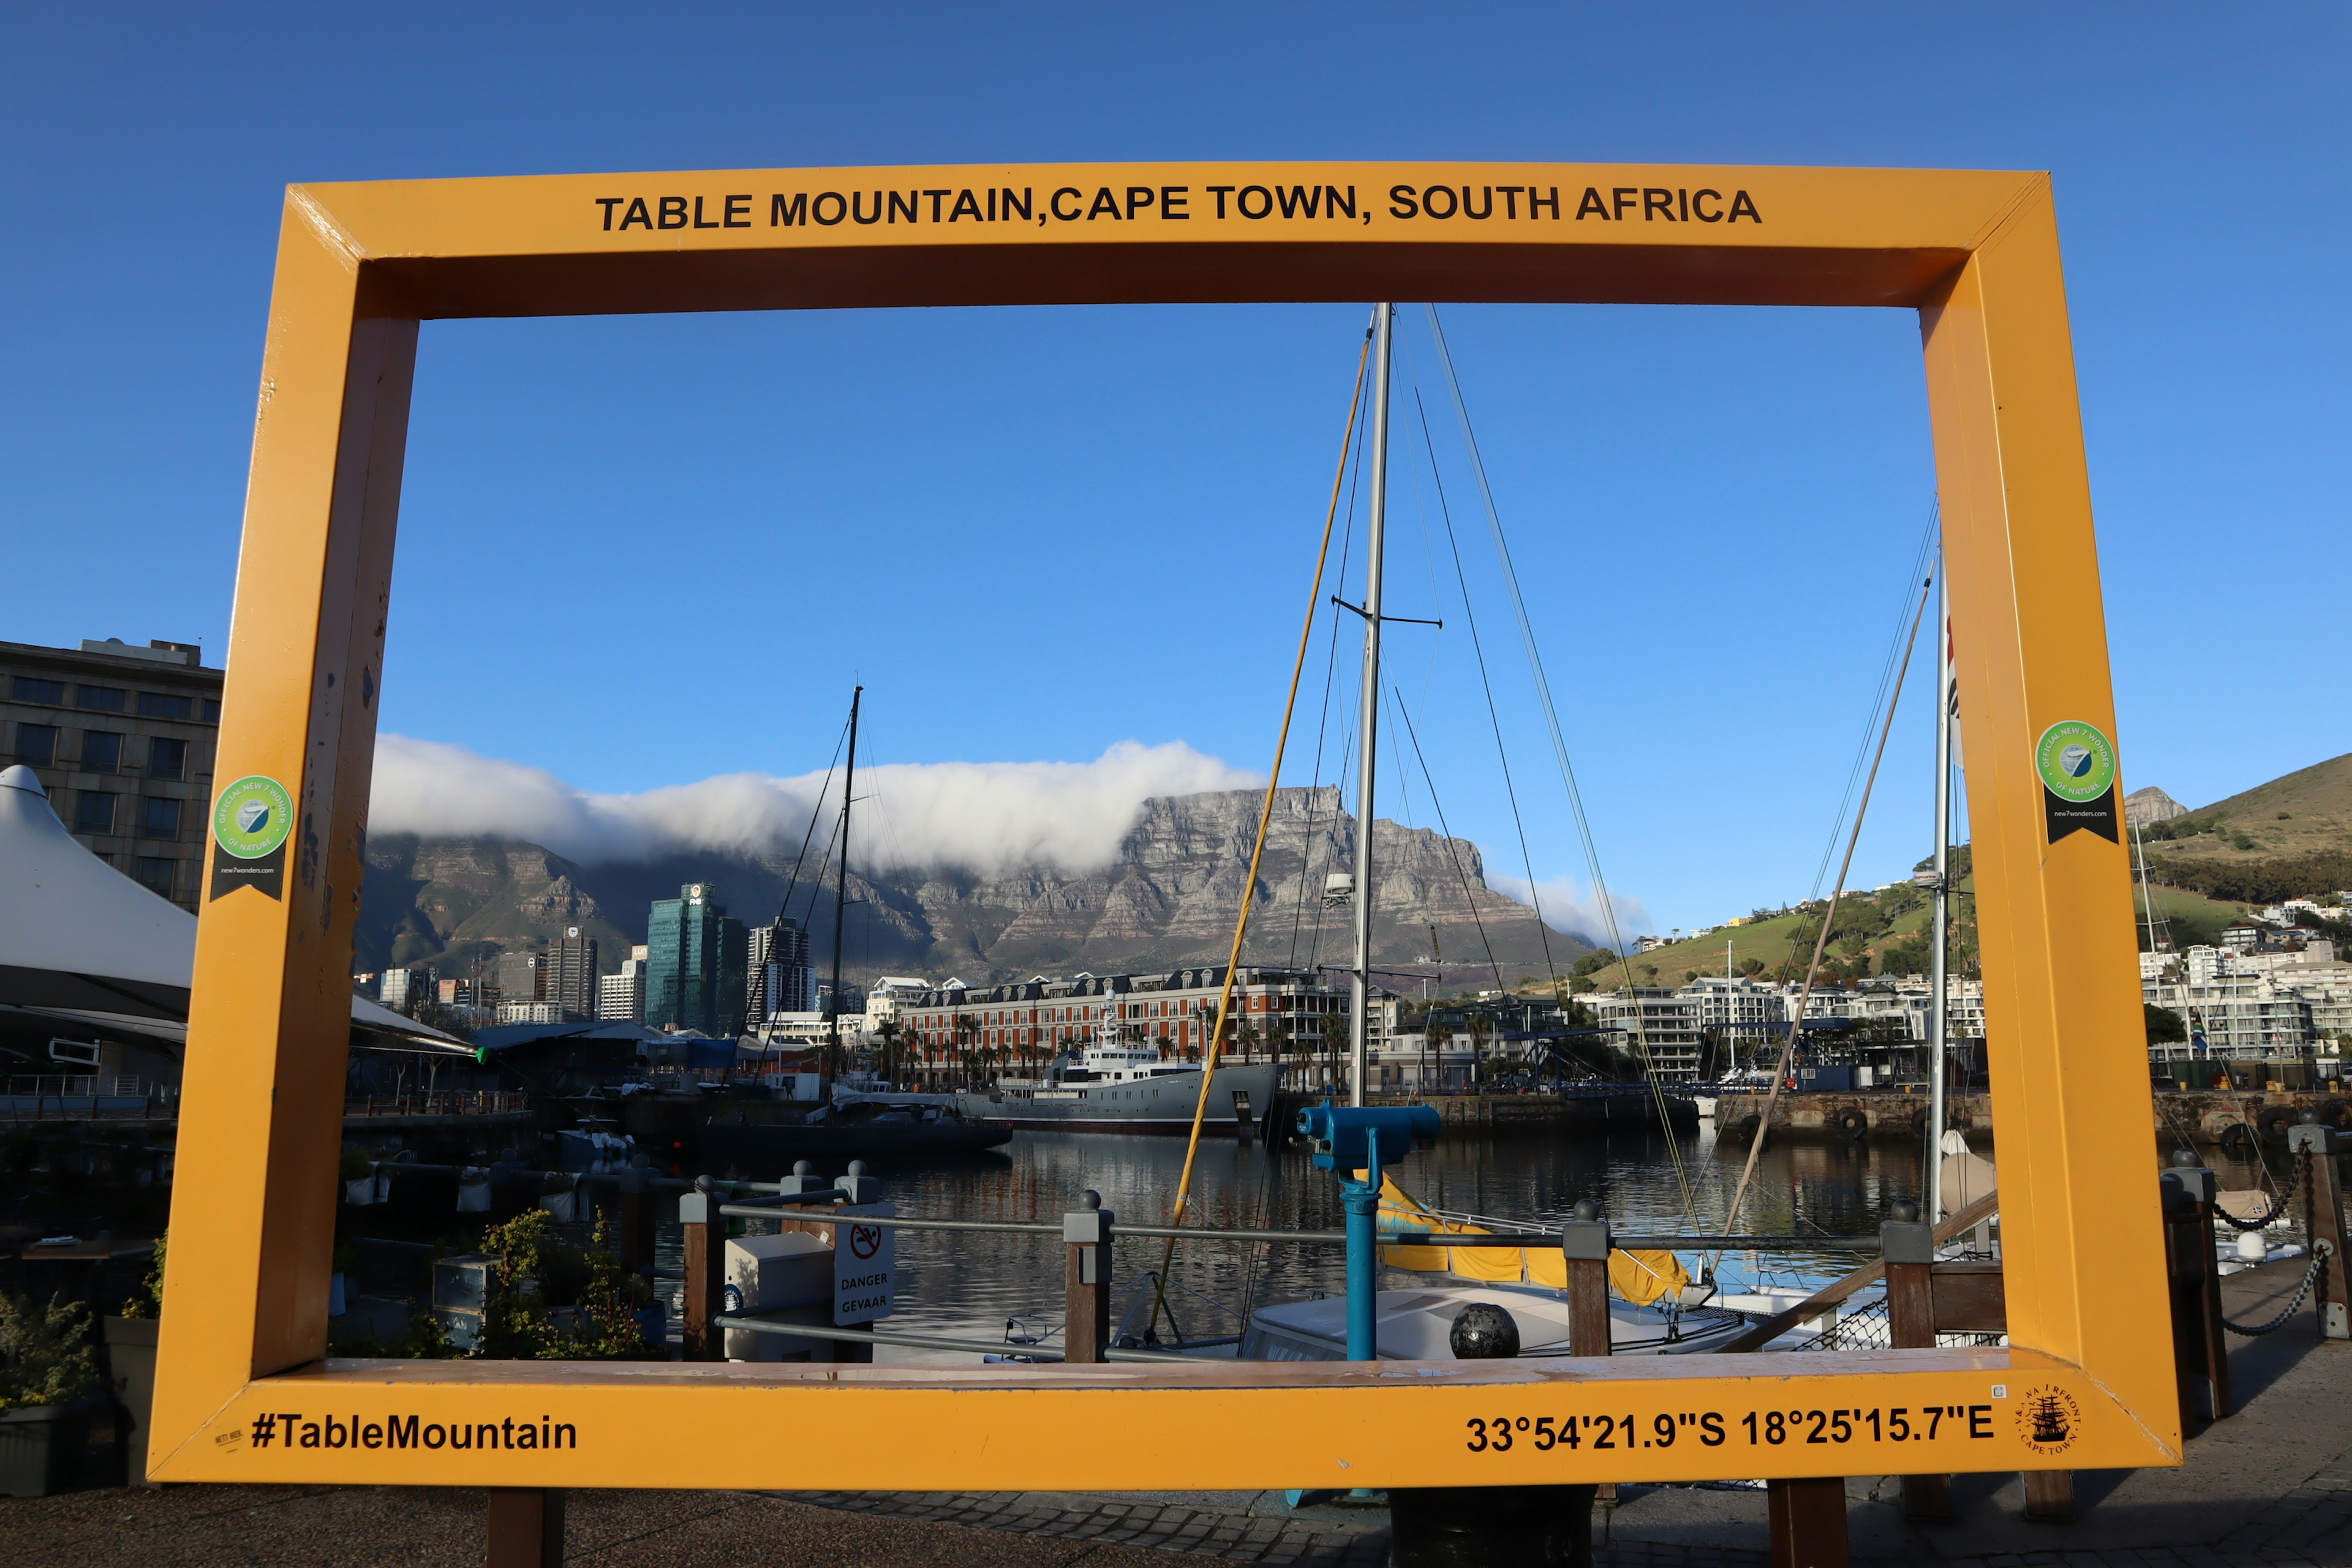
(122,738)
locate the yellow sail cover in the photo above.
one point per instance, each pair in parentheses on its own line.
(1640,1277)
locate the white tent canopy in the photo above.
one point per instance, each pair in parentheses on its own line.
(81,942)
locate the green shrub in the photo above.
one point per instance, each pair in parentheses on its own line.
(45,1357)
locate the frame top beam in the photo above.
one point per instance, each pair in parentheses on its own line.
(1158,232)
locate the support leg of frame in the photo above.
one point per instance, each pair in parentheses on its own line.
(1808,1523)
(2050,1495)
(526,1528)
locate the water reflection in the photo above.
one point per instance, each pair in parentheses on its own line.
(968,1285)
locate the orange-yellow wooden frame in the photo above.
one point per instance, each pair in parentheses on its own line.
(243,1393)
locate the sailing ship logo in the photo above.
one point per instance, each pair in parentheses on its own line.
(2048,1419)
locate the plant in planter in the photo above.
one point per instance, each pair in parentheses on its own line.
(551,1302)
(50,1396)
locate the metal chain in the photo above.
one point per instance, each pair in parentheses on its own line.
(2320,1252)
(2278,1204)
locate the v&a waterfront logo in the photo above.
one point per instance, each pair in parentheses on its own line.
(2048,1419)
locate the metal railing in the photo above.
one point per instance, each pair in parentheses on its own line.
(440,1102)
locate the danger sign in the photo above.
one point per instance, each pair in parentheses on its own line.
(865,1265)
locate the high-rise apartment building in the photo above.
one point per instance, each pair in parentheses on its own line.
(621,997)
(697,959)
(399,987)
(122,739)
(780,979)
(571,974)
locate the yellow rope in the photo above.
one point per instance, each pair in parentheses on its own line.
(1257,851)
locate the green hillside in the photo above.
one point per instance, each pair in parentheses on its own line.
(2290,837)
(1879,932)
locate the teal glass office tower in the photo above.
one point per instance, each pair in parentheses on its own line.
(695,963)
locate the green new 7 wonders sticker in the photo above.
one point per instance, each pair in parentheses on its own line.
(252,818)
(2076,762)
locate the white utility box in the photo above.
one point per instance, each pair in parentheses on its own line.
(777,1274)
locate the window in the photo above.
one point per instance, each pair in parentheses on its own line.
(155,705)
(158,818)
(155,872)
(36,744)
(212,710)
(94,811)
(99,699)
(167,759)
(101,752)
(27,690)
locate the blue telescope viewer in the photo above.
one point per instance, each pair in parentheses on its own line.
(1348,1139)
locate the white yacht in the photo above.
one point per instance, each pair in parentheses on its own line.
(1122,1086)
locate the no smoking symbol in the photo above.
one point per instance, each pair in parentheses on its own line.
(864,1240)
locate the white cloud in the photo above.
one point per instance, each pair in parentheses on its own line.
(1569,905)
(986,817)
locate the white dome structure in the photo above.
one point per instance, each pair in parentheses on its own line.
(82,945)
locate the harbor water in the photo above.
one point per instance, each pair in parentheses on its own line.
(972,1285)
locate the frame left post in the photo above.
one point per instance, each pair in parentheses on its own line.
(269,1021)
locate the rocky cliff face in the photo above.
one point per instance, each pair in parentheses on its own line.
(1167,898)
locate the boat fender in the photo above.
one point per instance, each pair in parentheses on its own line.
(1853,1124)
(2238,1142)
(1482,1331)
(2336,1114)
(2272,1121)
(1749,1126)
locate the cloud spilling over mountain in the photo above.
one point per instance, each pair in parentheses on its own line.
(985,817)
(1567,904)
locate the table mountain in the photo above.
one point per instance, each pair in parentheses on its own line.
(1167,898)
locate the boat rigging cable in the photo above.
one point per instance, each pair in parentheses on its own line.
(816,811)
(1452,848)
(1567,772)
(1323,728)
(1829,919)
(1494,716)
(1264,821)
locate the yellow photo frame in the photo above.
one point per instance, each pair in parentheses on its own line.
(243,1391)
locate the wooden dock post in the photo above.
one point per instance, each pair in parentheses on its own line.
(1907,1243)
(1808,1523)
(1584,1244)
(634,1241)
(2323,1210)
(1085,1281)
(705,1274)
(2200,1357)
(526,1528)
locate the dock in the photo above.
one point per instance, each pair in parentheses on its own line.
(2229,1119)
(2271,1485)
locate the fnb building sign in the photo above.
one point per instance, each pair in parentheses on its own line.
(2086,1380)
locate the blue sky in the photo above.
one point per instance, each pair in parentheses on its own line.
(642,552)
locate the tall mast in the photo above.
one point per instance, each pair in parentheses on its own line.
(841,890)
(1360,982)
(1939,1002)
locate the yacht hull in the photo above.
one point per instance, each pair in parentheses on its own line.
(1160,1104)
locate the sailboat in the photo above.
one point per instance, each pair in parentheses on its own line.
(1654,1307)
